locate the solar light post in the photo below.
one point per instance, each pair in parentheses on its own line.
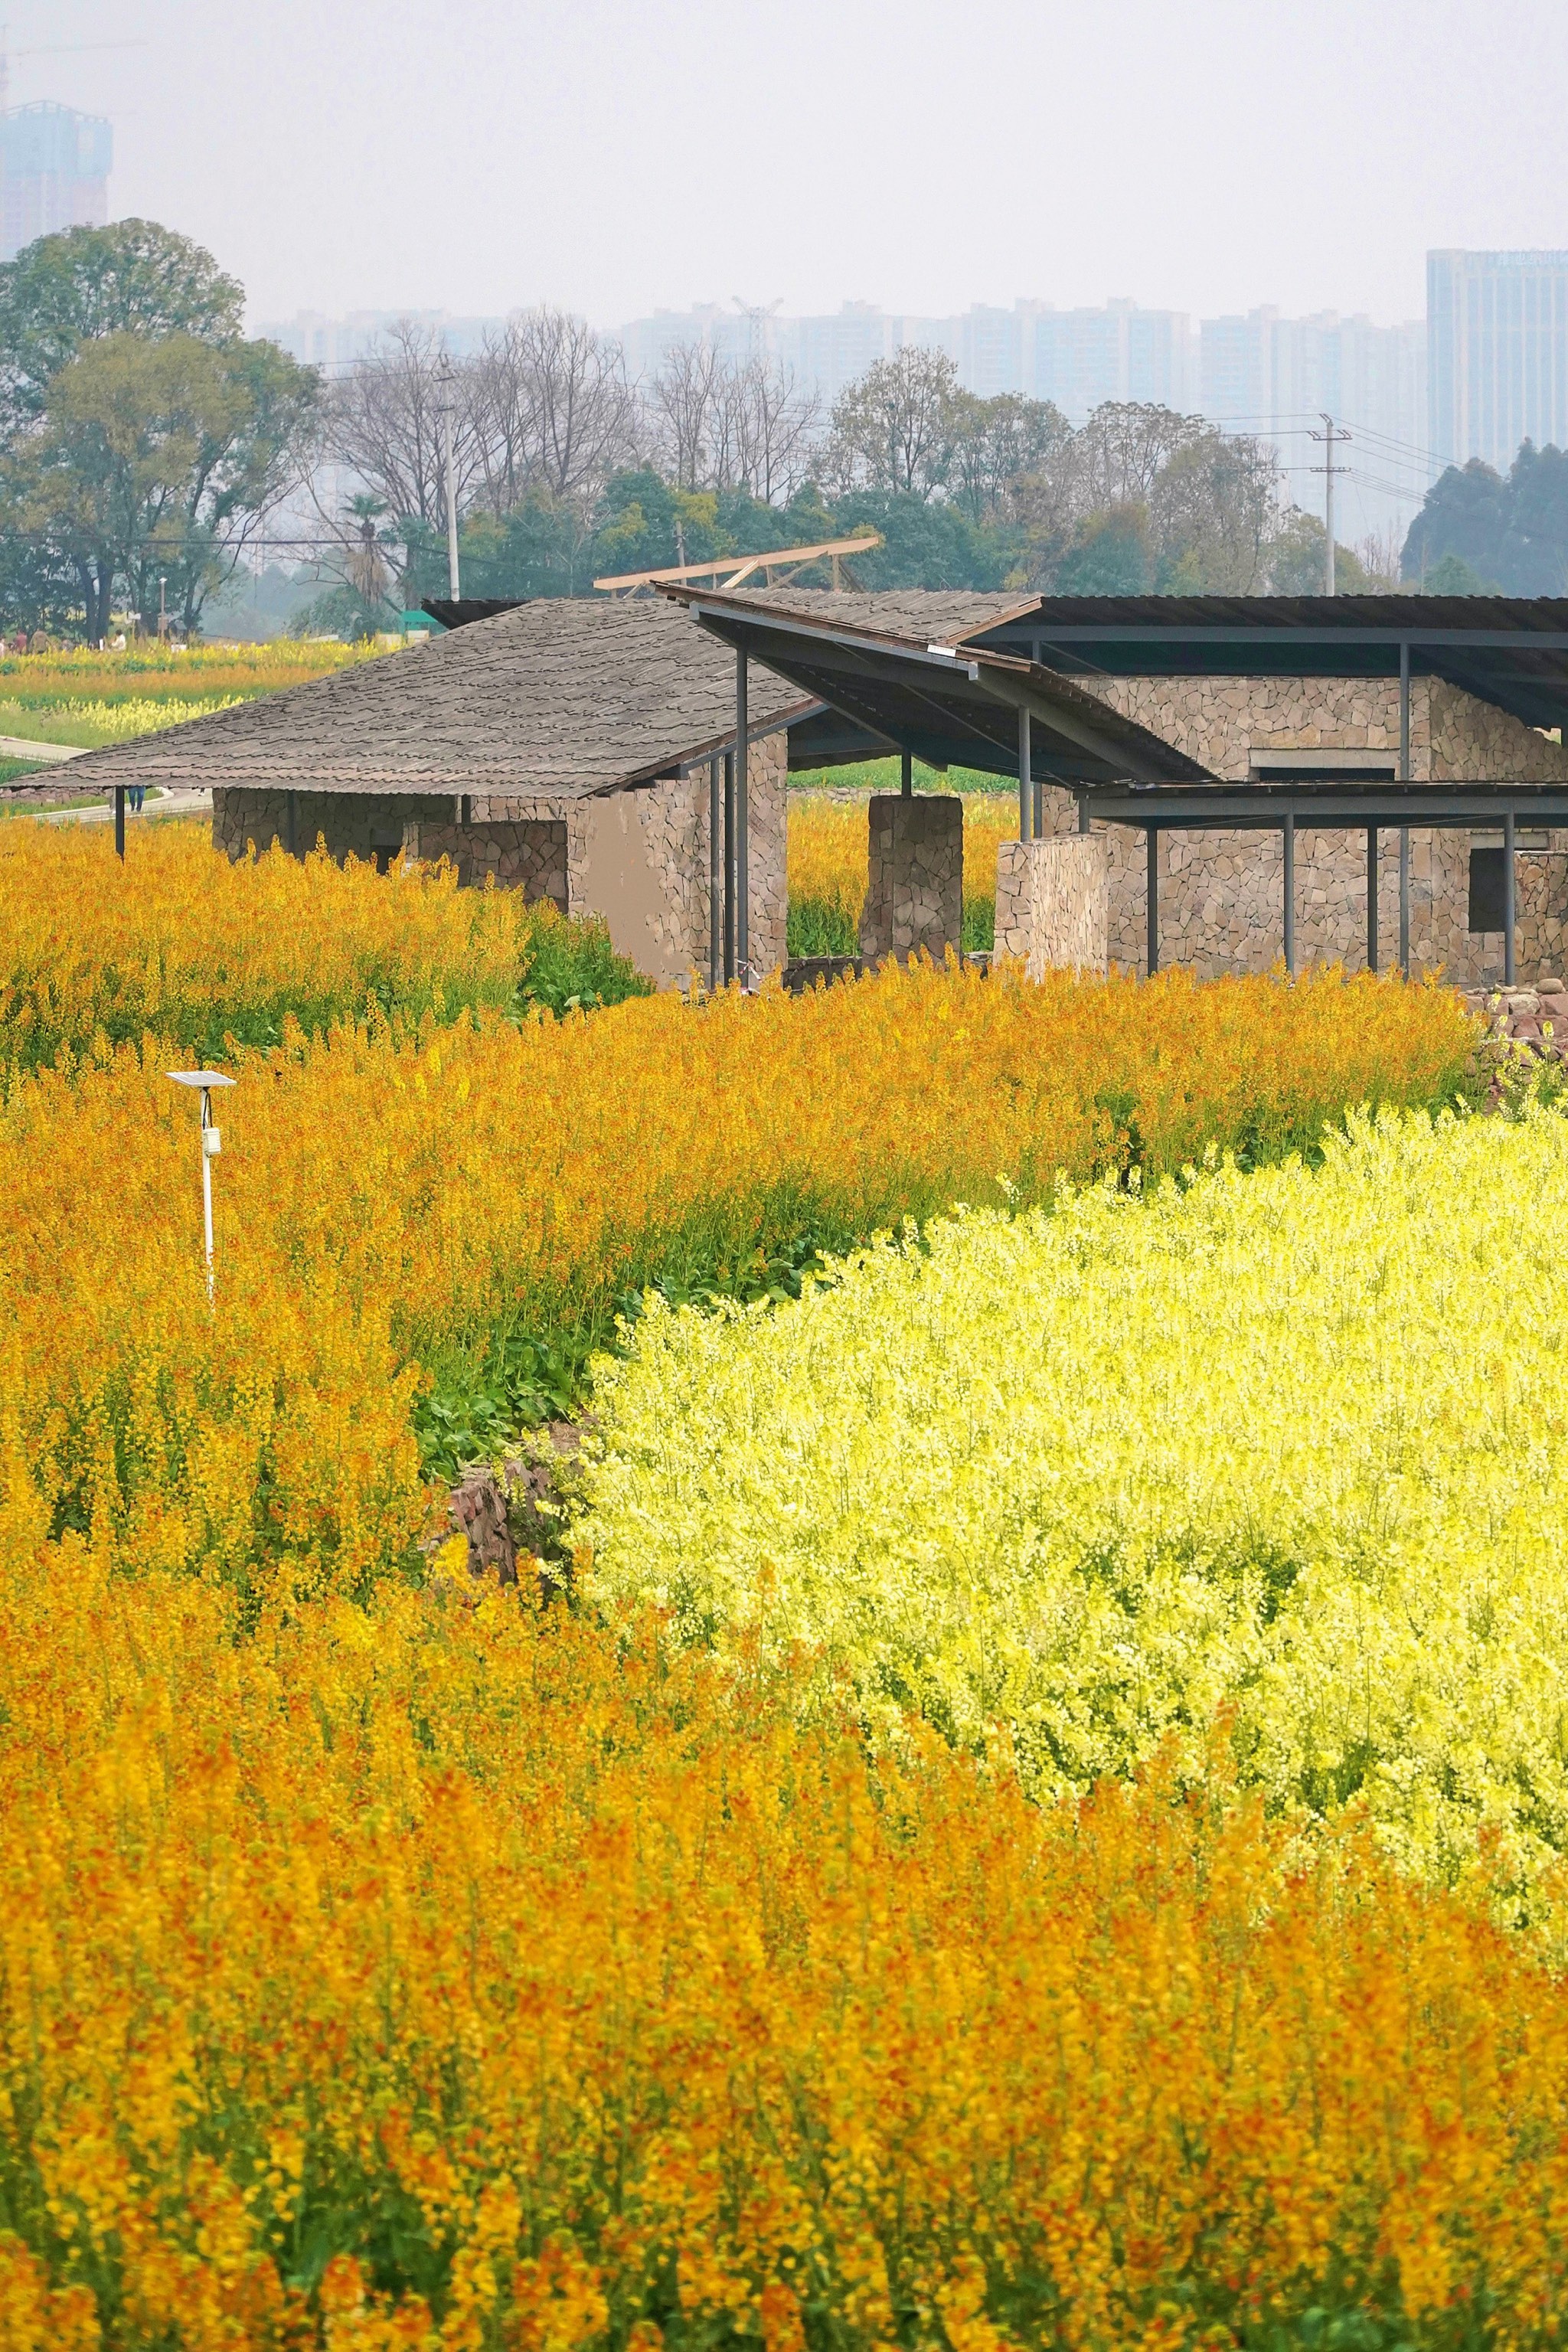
(212,1144)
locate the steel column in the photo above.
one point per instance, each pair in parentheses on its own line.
(906,779)
(1404,901)
(1404,829)
(743,892)
(729,867)
(1082,813)
(1152,832)
(1289,893)
(1025,778)
(292,822)
(1509,916)
(1371,897)
(715,876)
(119,822)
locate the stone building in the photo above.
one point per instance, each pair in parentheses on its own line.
(564,747)
(1221,892)
(1312,696)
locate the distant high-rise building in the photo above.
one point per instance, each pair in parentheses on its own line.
(1277,378)
(334,344)
(1496,335)
(54,173)
(1117,352)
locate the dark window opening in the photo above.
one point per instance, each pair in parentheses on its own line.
(1486,889)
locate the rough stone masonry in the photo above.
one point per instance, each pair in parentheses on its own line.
(1221,893)
(914,894)
(1053,903)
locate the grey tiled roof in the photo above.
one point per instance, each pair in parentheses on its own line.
(560,697)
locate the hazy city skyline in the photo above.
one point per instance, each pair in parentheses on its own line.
(510,154)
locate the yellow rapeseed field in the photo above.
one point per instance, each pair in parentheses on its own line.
(463,1978)
(398,1190)
(180,942)
(83,697)
(1287,1446)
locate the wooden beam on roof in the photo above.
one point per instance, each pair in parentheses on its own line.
(736,568)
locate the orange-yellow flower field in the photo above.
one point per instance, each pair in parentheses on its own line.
(397,1196)
(389,1959)
(442,1975)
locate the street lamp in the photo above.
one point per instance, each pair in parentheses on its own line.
(212,1144)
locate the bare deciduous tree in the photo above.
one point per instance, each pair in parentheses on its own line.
(685,404)
(384,424)
(572,410)
(772,429)
(712,426)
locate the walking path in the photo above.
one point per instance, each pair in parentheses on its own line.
(22,747)
(176,800)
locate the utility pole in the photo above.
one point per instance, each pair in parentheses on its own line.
(1329,436)
(448,479)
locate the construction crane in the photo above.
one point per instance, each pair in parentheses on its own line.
(48,49)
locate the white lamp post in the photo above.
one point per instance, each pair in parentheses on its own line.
(212,1144)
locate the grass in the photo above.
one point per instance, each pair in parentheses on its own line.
(883,776)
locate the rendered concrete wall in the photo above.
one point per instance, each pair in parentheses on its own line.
(1053,903)
(914,893)
(1221,893)
(642,859)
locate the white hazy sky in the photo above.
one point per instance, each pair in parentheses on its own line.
(475,155)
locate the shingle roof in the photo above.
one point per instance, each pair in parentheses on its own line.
(560,697)
(921,616)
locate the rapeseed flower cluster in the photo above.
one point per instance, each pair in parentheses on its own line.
(148,668)
(1288,1448)
(464,1975)
(75,719)
(180,942)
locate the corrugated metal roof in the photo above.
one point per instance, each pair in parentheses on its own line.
(1511,651)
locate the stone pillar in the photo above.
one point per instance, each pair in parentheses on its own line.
(915,895)
(1053,903)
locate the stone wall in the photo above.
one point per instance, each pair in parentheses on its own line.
(914,893)
(1221,893)
(639,857)
(526,854)
(351,825)
(1053,903)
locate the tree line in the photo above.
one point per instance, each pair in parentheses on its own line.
(147,446)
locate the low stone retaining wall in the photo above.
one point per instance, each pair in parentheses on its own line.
(915,892)
(1053,903)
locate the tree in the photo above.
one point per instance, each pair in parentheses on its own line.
(382,421)
(1297,565)
(997,444)
(1466,513)
(131,278)
(1110,554)
(152,461)
(1214,508)
(893,428)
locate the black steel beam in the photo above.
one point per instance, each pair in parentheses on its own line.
(1196,807)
